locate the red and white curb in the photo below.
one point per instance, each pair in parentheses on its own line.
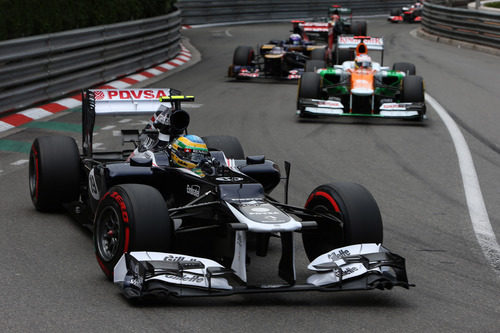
(23,117)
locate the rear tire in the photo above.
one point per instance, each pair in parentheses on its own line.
(313,65)
(130,217)
(54,172)
(345,55)
(318,54)
(243,56)
(359,212)
(405,67)
(395,12)
(413,89)
(358,28)
(230,145)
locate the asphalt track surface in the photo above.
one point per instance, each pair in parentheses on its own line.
(50,280)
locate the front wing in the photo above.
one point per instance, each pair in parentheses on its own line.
(157,274)
(252,72)
(319,107)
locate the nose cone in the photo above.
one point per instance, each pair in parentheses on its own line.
(362,83)
(362,91)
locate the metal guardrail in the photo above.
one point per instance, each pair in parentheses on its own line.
(206,11)
(474,26)
(45,67)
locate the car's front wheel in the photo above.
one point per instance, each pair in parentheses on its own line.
(358,211)
(130,217)
(413,89)
(405,67)
(314,65)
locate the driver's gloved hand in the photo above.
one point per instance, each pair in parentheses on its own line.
(207,167)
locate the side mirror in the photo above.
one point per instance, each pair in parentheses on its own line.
(258,159)
(141,161)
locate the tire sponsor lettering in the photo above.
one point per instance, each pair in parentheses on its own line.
(121,203)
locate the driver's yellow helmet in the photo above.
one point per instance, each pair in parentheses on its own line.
(188,151)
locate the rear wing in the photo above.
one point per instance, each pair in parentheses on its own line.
(351,42)
(123,102)
(361,44)
(339,10)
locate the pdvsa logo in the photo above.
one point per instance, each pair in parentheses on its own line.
(98,95)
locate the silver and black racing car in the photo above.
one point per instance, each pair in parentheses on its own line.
(161,229)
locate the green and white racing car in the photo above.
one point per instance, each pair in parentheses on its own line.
(360,86)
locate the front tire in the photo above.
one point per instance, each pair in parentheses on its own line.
(130,217)
(405,67)
(359,28)
(362,222)
(313,65)
(310,85)
(54,172)
(243,56)
(413,89)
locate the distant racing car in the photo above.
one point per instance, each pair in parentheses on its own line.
(327,29)
(278,59)
(410,14)
(362,87)
(161,229)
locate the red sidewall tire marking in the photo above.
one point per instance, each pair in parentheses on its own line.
(103,266)
(326,196)
(123,208)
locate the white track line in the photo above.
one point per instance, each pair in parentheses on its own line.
(477,209)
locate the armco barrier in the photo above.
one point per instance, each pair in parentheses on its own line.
(195,12)
(469,25)
(50,66)
(46,67)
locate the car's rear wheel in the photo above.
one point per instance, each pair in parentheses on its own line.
(413,89)
(405,67)
(359,28)
(54,172)
(230,145)
(318,54)
(344,55)
(362,222)
(313,65)
(395,12)
(243,56)
(130,217)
